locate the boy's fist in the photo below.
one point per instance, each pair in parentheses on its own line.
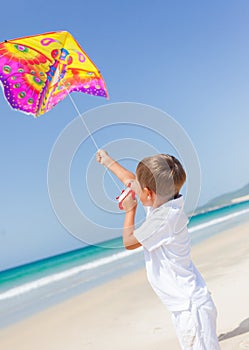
(103,158)
(129,203)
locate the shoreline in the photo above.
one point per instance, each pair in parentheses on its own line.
(207,209)
(125,313)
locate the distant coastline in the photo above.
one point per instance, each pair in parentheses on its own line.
(241,199)
(239,196)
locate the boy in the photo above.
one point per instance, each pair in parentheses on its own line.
(166,242)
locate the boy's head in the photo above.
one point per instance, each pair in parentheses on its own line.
(162,175)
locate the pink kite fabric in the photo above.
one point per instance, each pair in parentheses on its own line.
(39,71)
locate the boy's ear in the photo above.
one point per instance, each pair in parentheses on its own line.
(148,192)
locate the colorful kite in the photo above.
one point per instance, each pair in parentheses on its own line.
(39,71)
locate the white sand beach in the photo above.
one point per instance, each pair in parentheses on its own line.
(126,314)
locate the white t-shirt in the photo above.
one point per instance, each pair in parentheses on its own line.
(170,271)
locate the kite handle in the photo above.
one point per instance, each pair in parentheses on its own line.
(124,194)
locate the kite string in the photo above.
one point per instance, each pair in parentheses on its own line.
(92,138)
(87,129)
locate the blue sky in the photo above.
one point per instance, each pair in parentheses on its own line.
(187,58)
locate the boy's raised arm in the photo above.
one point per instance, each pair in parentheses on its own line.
(122,173)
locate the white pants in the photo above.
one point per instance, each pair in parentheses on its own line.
(196,327)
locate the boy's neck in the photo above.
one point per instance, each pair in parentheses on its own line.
(158,200)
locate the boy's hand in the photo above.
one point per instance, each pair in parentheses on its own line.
(103,158)
(129,203)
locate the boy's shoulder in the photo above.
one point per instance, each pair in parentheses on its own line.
(162,224)
(170,214)
(173,205)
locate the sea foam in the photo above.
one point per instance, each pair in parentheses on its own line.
(218,220)
(41,282)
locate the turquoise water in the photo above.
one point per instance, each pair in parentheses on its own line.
(40,284)
(26,273)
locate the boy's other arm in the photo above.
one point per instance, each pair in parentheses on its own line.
(129,240)
(122,173)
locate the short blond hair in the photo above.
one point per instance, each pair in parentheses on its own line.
(162,174)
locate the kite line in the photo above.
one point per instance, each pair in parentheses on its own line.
(92,138)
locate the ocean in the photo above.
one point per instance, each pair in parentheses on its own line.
(33,287)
